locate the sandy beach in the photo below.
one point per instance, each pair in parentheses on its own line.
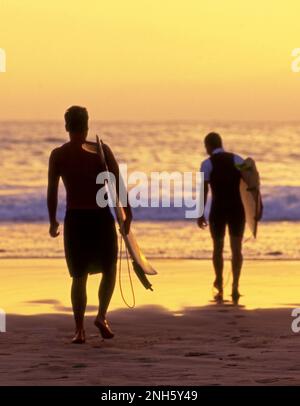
(188,342)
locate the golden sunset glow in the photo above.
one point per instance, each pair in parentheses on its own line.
(173,290)
(143,59)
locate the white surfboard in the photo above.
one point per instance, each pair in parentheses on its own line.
(250,194)
(141,265)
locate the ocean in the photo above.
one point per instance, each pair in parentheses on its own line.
(146,146)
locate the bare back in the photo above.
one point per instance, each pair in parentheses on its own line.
(78,170)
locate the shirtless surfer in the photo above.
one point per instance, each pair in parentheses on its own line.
(90,238)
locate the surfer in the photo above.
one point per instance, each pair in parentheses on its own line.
(223,177)
(90,239)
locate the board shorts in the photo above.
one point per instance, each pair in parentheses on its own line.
(90,241)
(233,218)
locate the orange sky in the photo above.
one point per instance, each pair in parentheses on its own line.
(150,59)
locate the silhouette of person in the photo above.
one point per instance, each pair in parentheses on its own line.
(90,239)
(223,177)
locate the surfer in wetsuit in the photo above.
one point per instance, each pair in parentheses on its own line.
(90,238)
(223,177)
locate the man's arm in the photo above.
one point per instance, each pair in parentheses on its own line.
(201,221)
(113,167)
(52,192)
(206,188)
(206,168)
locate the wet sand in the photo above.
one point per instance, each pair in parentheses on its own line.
(181,344)
(214,345)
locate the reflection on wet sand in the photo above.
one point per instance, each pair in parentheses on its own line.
(34,286)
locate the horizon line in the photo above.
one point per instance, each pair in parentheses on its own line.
(166,120)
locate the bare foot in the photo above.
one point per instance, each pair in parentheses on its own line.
(104,328)
(235,295)
(218,296)
(79,337)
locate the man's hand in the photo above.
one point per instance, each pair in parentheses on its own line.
(202,223)
(53,230)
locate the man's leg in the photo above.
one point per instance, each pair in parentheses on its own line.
(218,263)
(79,300)
(217,225)
(106,290)
(236,262)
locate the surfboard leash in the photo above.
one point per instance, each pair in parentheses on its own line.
(227,280)
(129,274)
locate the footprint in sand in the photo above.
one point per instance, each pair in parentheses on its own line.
(55,368)
(41,364)
(197,354)
(255,345)
(236,339)
(28,370)
(146,360)
(267,380)
(79,366)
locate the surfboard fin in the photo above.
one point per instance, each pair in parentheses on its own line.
(141,275)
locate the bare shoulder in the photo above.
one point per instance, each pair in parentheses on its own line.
(59,150)
(57,155)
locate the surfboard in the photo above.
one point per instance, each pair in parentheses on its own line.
(250,194)
(141,265)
